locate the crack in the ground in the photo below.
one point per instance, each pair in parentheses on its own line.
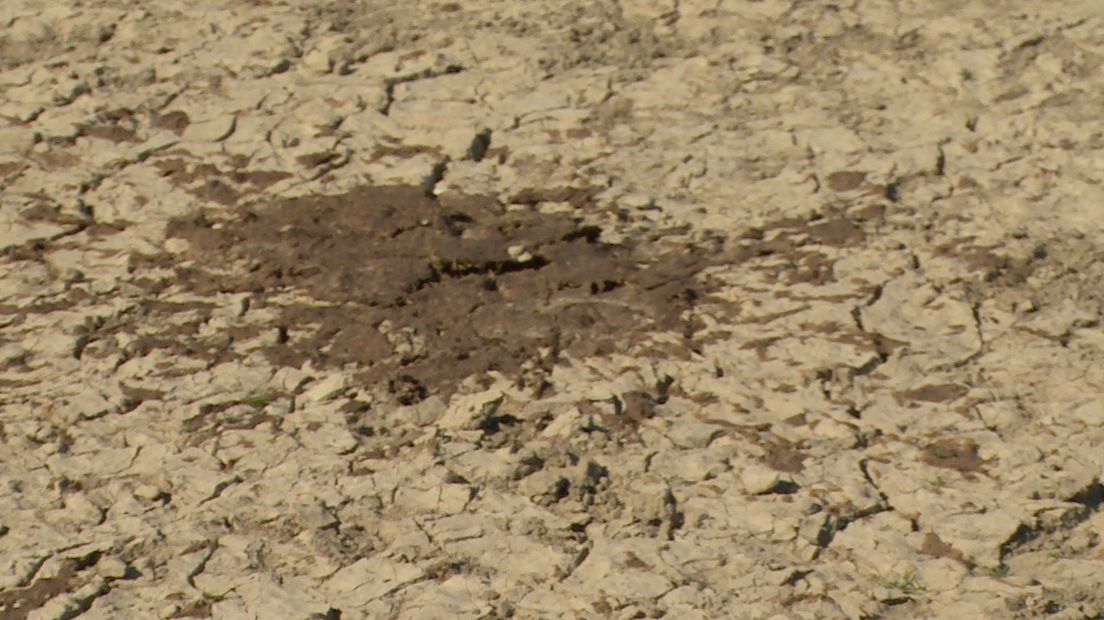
(220,488)
(210,547)
(18,603)
(834,525)
(435,176)
(426,74)
(1089,498)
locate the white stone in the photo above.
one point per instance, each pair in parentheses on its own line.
(333,438)
(758,479)
(564,424)
(327,389)
(111,567)
(464,412)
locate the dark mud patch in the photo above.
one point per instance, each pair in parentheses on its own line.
(210,183)
(116,126)
(421,293)
(783,456)
(940,393)
(20,602)
(959,454)
(935,547)
(846,180)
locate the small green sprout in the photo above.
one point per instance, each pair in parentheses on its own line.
(907,583)
(260,401)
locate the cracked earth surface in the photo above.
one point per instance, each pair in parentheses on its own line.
(610,309)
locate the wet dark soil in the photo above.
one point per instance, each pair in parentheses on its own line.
(421,293)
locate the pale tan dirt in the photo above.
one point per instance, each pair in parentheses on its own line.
(611,309)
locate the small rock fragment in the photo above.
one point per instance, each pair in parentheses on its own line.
(111,567)
(758,479)
(327,389)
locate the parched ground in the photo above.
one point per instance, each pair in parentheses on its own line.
(551,309)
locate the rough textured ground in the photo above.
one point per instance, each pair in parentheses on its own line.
(543,309)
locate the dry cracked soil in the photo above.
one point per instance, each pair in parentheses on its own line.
(551,309)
